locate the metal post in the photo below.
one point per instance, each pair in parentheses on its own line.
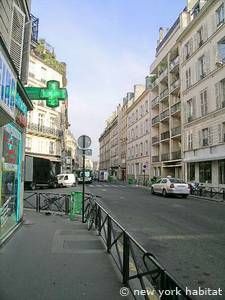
(67,205)
(126,254)
(37,203)
(83,180)
(144,177)
(99,220)
(223,194)
(109,231)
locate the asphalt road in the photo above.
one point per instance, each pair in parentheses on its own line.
(186,235)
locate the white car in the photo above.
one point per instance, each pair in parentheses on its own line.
(66,180)
(171,186)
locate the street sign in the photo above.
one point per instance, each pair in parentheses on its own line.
(144,166)
(84,142)
(87,152)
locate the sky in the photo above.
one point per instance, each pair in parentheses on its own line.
(108,46)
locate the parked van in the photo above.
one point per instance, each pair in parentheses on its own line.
(103,175)
(66,180)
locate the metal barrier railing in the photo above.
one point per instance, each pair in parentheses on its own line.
(217,193)
(140,269)
(47,202)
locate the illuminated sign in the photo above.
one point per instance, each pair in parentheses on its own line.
(52,94)
(7,86)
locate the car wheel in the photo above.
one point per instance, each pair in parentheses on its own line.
(164,193)
(152,191)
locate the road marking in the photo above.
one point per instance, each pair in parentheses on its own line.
(91,185)
(104,190)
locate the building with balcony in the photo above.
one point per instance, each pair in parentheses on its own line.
(14,105)
(47,127)
(202,88)
(166,120)
(138,134)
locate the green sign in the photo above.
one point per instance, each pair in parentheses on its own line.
(52,94)
(75,204)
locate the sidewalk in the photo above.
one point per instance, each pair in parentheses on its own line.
(52,258)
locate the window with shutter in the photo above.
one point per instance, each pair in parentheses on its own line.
(210,132)
(220,136)
(17,36)
(217,94)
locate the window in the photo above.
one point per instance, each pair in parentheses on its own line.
(196,9)
(200,39)
(205,172)
(146,105)
(146,147)
(220,15)
(204,104)
(190,141)
(52,122)
(136,114)
(191,171)
(220,94)
(191,109)
(201,66)
(205,137)
(188,77)
(146,126)
(222,171)
(221,51)
(40,120)
(188,48)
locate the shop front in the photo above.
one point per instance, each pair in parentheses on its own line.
(14,105)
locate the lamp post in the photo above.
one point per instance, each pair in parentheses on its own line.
(144,167)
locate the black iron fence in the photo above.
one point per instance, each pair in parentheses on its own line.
(47,202)
(140,269)
(216,193)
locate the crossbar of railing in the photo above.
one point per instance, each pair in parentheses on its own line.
(132,260)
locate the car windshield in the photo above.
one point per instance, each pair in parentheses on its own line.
(176,180)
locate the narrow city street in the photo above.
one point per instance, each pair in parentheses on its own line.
(186,235)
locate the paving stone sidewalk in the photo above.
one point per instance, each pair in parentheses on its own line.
(53,258)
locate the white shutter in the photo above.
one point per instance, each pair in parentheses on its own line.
(197,73)
(218,95)
(207,62)
(220,136)
(196,41)
(200,138)
(194,107)
(17,36)
(210,133)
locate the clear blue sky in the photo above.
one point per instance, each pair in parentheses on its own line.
(108,46)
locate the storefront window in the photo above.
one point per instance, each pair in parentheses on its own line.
(10,177)
(205,172)
(191,171)
(222,171)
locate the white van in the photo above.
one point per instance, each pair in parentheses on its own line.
(65,180)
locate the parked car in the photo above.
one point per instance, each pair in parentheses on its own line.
(66,180)
(171,186)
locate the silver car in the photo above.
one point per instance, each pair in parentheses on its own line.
(171,186)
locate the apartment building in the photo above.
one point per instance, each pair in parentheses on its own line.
(104,153)
(166,121)
(70,162)
(203,92)
(15,29)
(46,128)
(138,134)
(122,132)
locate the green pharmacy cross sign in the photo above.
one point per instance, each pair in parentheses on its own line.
(52,94)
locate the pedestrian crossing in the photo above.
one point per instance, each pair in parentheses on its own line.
(106,185)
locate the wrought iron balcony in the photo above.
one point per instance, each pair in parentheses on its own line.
(165,156)
(164,94)
(174,63)
(163,74)
(155,158)
(44,130)
(165,135)
(155,139)
(174,85)
(175,108)
(155,101)
(164,114)
(176,155)
(176,131)
(155,120)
